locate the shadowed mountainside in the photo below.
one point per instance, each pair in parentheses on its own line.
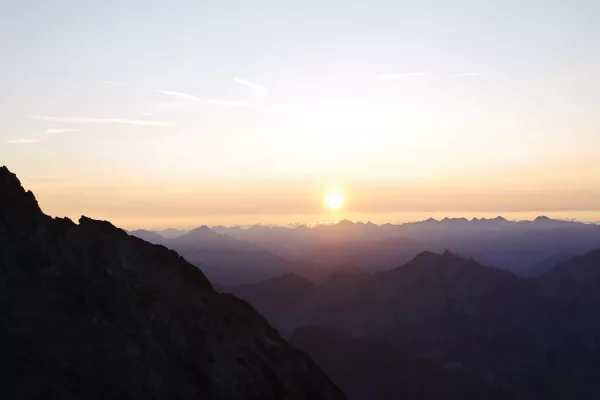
(87,311)
(237,255)
(537,338)
(527,248)
(367,369)
(231,261)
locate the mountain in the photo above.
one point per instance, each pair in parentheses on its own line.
(149,236)
(171,233)
(536,338)
(230,261)
(522,247)
(367,369)
(547,264)
(236,255)
(88,311)
(203,235)
(574,286)
(281,299)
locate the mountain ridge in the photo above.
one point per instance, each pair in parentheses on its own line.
(481,321)
(90,311)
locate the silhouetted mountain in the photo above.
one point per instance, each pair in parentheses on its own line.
(227,260)
(575,286)
(374,369)
(202,234)
(536,338)
(281,299)
(237,255)
(88,311)
(171,233)
(149,236)
(158,237)
(518,246)
(546,265)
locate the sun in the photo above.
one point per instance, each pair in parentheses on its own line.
(334,200)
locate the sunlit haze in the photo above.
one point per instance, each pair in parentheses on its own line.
(176,114)
(334,200)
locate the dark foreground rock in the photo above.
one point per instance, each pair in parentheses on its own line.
(87,311)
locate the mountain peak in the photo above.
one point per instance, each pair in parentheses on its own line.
(425,255)
(446,219)
(169,333)
(429,257)
(17,206)
(450,255)
(202,228)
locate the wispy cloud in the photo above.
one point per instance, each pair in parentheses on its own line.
(465,74)
(178,95)
(257,92)
(101,121)
(24,141)
(399,76)
(228,103)
(53,131)
(113,83)
(42,133)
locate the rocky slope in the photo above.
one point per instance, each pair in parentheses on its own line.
(368,369)
(535,338)
(87,311)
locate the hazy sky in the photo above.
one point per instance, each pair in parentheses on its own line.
(176,113)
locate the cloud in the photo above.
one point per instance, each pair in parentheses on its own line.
(178,95)
(257,92)
(465,74)
(228,103)
(113,83)
(102,121)
(53,131)
(145,113)
(45,132)
(24,141)
(401,76)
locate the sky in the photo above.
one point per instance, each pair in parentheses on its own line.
(179,113)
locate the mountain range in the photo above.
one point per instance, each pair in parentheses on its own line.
(229,260)
(236,255)
(88,311)
(368,368)
(532,338)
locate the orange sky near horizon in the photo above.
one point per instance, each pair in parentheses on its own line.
(568,190)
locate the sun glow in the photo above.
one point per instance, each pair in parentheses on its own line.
(334,200)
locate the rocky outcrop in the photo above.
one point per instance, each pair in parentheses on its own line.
(88,311)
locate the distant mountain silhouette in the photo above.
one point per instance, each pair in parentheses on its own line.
(202,233)
(523,247)
(149,236)
(535,338)
(248,255)
(281,299)
(574,285)
(227,260)
(367,369)
(171,233)
(88,311)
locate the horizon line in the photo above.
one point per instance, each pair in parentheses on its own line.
(310,225)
